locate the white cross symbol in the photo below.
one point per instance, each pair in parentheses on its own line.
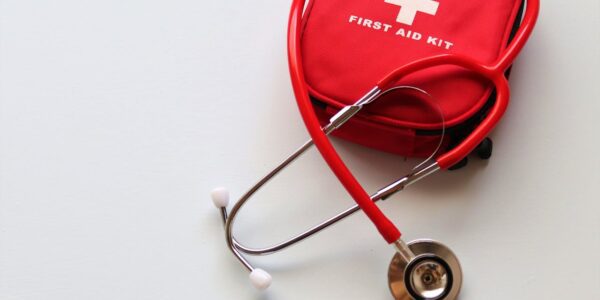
(410,8)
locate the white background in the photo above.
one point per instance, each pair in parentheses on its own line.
(118,117)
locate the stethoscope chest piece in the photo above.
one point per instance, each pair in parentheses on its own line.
(433,274)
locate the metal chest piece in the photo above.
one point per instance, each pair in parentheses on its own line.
(433,274)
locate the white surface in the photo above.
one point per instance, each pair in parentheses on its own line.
(117,119)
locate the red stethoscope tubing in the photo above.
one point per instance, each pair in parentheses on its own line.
(494,72)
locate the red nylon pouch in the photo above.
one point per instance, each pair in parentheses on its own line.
(348,45)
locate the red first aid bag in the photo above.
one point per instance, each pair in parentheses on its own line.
(348,45)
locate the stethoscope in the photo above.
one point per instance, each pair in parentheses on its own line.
(422,269)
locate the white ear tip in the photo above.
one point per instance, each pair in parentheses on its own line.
(260,279)
(220,197)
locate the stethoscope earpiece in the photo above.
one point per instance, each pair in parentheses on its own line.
(433,273)
(220,197)
(260,279)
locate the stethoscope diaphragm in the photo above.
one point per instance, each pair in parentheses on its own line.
(433,274)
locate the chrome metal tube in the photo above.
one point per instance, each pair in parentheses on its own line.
(238,205)
(346,113)
(404,251)
(344,116)
(335,122)
(382,194)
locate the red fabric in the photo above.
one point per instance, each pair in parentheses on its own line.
(344,59)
